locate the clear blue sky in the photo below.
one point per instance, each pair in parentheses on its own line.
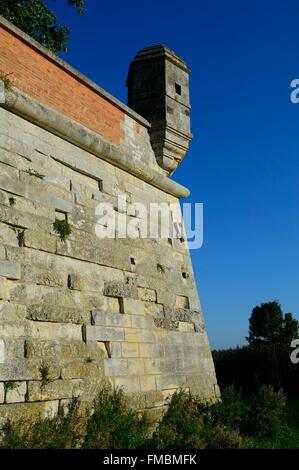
(244,160)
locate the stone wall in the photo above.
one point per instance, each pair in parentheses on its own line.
(79,313)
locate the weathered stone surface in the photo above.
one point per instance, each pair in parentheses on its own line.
(148,295)
(53,313)
(2,288)
(141,321)
(10,270)
(98,333)
(130,350)
(62,349)
(118,289)
(127,384)
(20,370)
(148,383)
(137,335)
(185,326)
(27,412)
(8,235)
(78,369)
(40,240)
(12,312)
(172,319)
(54,390)
(12,349)
(111,319)
(132,306)
(53,331)
(116,367)
(16,393)
(74,282)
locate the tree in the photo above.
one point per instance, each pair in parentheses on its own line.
(268,325)
(36,19)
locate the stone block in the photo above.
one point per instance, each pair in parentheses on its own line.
(115,367)
(114,349)
(136,335)
(127,384)
(98,333)
(20,370)
(57,314)
(19,219)
(147,295)
(10,269)
(186,327)
(170,381)
(147,383)
(151,350)
(43,276)
(166,297)
(55,331)
(54,390)
(181,301)
(81,368)
(16,393)
(64,350)
(40,240)
(51,409)
(8,235)
(12,312)
(103,304)
(143,322)
(12,330)
(132,306)
(110,319)
(130,350)
(12,185)
(119,289)
(12,349)
(153,366)
(135,366)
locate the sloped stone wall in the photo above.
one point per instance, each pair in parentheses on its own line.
(87,310)
(79,313)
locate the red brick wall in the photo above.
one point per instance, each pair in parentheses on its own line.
(51,84)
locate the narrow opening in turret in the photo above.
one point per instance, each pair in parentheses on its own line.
(178,89)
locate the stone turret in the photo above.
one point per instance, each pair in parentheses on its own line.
(158,89)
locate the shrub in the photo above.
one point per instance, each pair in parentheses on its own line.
(266,412)
(55,433)
(63,228)
(113,425)
(228,412)
(220,438)
(181,427)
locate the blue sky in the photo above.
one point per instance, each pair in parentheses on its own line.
(243,162)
